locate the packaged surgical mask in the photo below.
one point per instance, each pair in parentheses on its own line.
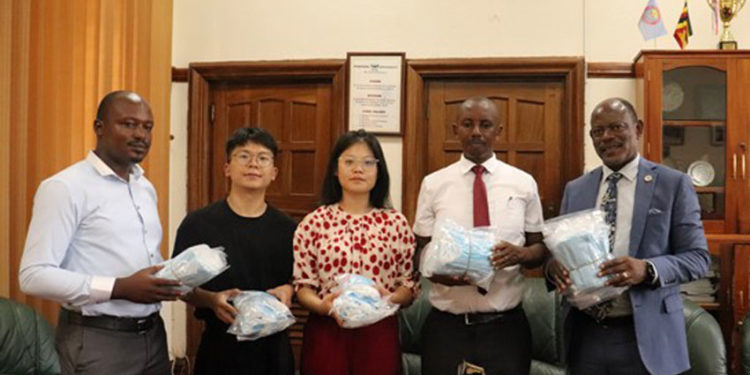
(458,251)
(360,303)
(194,266)
(260,315)
(580,241)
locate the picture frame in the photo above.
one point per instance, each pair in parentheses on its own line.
(673,136)
(718,135)
(375,94)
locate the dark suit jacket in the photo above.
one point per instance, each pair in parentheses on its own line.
(666,230)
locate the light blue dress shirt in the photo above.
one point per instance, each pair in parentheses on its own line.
(88,227)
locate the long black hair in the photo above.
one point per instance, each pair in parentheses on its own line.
(331,191)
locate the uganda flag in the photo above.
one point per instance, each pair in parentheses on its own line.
(683,30)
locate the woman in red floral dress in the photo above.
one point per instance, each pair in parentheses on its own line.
(354,231)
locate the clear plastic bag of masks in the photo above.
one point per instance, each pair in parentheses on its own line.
(360,303)
(194,266)
(580,242)
(260,315)
(458,251)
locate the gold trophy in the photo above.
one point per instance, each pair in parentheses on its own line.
(728,9)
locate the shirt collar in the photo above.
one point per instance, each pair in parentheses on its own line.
(490,165)
(104,170)
(629,171)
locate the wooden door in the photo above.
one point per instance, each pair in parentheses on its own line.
(299,118)
(532,118)
(739,107)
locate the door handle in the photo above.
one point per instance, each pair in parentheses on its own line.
(734,166)
(743,149)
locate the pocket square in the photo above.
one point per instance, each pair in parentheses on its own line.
(654,211)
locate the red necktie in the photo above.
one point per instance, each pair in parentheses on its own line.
(481,210)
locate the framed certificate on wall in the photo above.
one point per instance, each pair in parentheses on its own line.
(375,91)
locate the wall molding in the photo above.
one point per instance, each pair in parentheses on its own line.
(179,74)
(610,70)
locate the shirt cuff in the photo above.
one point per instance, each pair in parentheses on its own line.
(100,289)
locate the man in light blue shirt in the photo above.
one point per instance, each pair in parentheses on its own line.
(93,245)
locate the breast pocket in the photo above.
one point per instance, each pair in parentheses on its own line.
(510,216)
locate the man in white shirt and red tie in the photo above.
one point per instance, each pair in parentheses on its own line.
(93,245)
(467,324)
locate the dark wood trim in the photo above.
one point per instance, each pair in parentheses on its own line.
(569,70)
(179,74)
(268,70)
(707,53)
(202,76)
(610,70)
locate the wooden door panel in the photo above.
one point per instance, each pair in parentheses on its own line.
(531,115)
(298,116)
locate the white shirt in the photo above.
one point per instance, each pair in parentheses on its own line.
(625,202)
(514,208)
(88,227)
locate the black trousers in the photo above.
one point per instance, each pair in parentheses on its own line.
(219,353)
(604,348)
(501,345)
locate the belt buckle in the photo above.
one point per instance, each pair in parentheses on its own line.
(142,325)
(471,319)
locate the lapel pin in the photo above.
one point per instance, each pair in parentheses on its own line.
(648,178)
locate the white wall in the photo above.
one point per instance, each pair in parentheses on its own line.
(599,30)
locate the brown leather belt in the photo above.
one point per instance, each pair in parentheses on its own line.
(112,323)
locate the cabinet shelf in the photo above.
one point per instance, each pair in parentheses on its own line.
(709,189)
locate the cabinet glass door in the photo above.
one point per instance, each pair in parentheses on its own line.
(694,108)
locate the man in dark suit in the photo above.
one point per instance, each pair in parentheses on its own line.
(658,242)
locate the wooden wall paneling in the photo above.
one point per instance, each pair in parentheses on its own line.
(6,17)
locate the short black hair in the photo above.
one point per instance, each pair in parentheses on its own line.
(629,108)
(243,136)
(331,191)
(108,100)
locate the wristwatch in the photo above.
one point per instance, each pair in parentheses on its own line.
(650,273)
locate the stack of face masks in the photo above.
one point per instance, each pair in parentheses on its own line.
(260,315)
(457,251)
(580,241)
(360,303)
(194,266)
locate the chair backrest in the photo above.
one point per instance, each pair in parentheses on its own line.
(705,342)
(543,311)
(27,344)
